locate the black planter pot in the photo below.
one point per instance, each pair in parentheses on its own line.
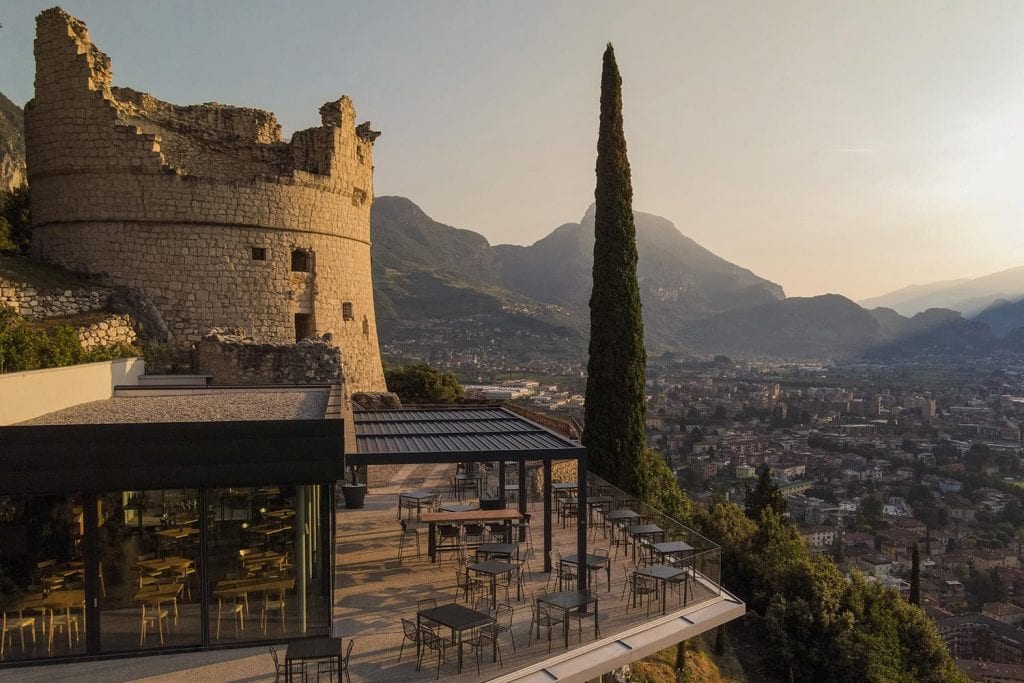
(355,495)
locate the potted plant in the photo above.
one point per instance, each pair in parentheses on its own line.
(353,490)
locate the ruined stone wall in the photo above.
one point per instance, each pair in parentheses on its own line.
(33,304)
(233,359)
(201,207)
(117,328)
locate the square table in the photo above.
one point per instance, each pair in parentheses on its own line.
(639,531)
(312,649)
(566,601)
(672,548)
(663,573)
(506,550)
(622,517)
(419,497)
(593,562)
(495,568)
(603,502)
(456,617)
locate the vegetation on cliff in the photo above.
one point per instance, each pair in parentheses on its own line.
(33,346)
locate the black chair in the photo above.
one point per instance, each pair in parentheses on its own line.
(432,641)
(409,632)
(331,666)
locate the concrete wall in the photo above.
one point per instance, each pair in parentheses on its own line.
(25,395)
(173,199)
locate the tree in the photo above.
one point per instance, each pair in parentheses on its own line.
(15,221)
(764,496)
(422,383)
(615,403)
(915,577)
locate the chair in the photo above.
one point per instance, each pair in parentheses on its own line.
(503,623)
(273,601)
(155,614)
(542,617)
(524,525)
(565,572)
(331,666)
(280,670)
(409,632)
(409,529)
(465,584)
(236,610)
(432,641)
(450,539)
(9,625)
(61,620)
(483,605)
(473,534)
(642,587)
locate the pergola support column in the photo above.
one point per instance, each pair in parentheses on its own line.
(547,515)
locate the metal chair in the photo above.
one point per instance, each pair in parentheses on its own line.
(432,641)
(409,529)
(542,617)
(332,666)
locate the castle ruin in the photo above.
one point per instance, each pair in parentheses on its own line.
(204,208)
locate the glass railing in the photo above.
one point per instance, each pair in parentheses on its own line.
(706,557)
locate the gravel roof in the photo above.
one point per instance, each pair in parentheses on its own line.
(307,404)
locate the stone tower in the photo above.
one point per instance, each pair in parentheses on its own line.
(204,207)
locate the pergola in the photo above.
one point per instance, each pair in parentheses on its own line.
(453,435)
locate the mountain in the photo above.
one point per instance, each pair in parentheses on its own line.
(12,145)
(968,296)
(1003,316)
(680,281)
(827,326)
(427,274)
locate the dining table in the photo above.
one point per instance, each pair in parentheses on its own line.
(456,617)
(594,562)
(662,573)
(480,516)
(566,601)
(494,569)
(312,649)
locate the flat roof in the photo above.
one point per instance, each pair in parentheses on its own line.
(469,433)
(195,405)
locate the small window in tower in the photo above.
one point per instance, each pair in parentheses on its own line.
(303,326)
(346,311)
(259,254)
(300,261)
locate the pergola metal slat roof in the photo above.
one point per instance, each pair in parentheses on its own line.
(485,432)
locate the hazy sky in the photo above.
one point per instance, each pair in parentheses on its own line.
(849,147)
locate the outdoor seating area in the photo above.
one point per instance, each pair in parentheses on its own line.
(469,593)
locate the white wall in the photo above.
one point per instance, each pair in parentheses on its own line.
(24,395)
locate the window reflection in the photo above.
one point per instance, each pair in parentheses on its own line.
(42,582)
(265,568)
(149,563)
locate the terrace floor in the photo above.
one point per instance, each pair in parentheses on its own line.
(374,591)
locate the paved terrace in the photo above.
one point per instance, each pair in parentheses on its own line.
(375,590)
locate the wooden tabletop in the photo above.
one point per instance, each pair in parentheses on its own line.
(471,516)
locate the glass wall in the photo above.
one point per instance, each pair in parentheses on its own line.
(42,582)
(131,575)
(266,563)
(148,549)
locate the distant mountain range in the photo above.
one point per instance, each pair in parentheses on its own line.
(968,296)
(427,271)
(12,145)
(428,275)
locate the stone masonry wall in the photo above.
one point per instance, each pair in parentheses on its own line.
(201,207)
(33,304)
(117,328)
(233,359)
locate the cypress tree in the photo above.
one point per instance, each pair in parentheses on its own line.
(615,410)
(915,577)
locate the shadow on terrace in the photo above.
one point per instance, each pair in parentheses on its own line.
(643,568)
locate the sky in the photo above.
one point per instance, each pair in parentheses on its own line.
(847,147)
